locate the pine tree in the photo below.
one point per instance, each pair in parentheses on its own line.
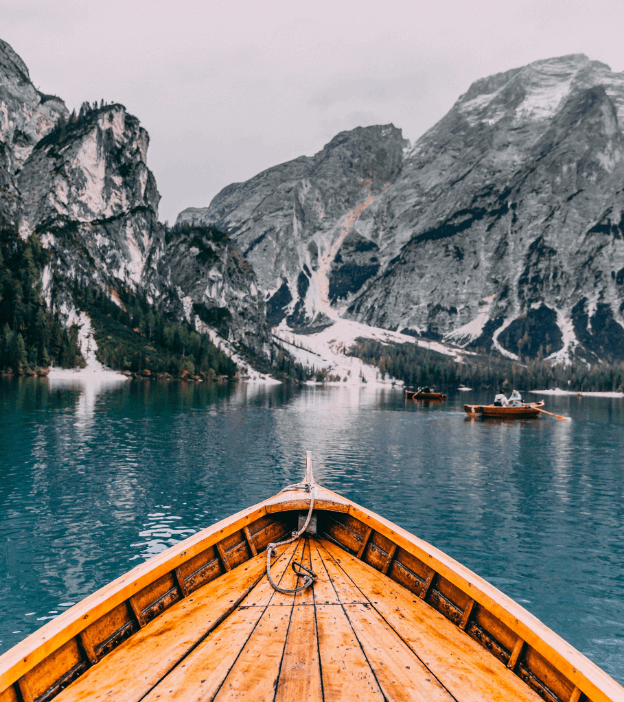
(19,357)
(5,346)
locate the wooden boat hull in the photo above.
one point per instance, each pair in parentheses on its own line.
(409,395)
(504,412)
(389,614)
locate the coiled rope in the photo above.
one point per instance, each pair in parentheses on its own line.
(309,576)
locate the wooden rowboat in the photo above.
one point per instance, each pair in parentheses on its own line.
(415,395)
(386,617)
(528,410)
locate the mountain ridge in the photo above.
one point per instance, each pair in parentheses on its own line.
(509,205)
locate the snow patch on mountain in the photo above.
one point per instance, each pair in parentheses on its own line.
(328,350)
(496,343)
(94,370)
(570,342)
(472,330)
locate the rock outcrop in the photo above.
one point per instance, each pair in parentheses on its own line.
(87,191)
(501,228)
(26,116)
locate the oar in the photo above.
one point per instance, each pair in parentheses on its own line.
(564,419)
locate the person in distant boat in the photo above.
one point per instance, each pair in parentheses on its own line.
(501,399)
(515,399)
(427,389)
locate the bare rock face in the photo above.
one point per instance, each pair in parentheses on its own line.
(501,228)
(291,221)
(26,116)
(87,191)
(500,243)
(9,195)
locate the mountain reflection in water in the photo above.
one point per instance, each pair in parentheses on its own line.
(95,479)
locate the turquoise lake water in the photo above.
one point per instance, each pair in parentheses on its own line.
(95,480)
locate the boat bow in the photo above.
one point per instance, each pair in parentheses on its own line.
(387,616)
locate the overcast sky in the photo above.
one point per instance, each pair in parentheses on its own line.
(227,89)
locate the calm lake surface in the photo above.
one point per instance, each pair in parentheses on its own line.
(94,480)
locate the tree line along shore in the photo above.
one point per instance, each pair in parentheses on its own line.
(137,338)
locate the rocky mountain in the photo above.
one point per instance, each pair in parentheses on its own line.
(81,183)
(198,272)
(310,227)
(26,116)
(500,229)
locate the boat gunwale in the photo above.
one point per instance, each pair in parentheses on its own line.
(578,669)
(586,675)
(57,632)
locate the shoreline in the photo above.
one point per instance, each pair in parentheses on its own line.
(85,374)
(103,375)
(573,393)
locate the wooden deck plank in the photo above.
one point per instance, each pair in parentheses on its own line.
(300,676)
(38,646)
(200,675)
(399,672)
(467,671)
(324,592)
(345,589)
(346,674)
(254,674)
(131,670)
(305,597)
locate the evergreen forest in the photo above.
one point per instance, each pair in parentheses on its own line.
(30,337)
(417,367)
(131,336)
(134,336)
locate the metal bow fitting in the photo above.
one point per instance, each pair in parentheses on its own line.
(309,576)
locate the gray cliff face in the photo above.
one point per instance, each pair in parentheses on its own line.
(26,116)
(496,237)
(88,193)
(83,185)
(501,228)
(291,220)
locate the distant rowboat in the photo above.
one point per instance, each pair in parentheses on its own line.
(354,608)
(528,410)
(416,395)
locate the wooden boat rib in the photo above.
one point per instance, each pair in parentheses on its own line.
(389,617)
(415,395)
(527,410)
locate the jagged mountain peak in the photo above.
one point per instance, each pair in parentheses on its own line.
(91,170)
(26,115)
(496,216)
(81,184)
(313,201)
(535,92)
(353,138)
(11,64)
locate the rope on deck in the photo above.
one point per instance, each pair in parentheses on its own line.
(309,576)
